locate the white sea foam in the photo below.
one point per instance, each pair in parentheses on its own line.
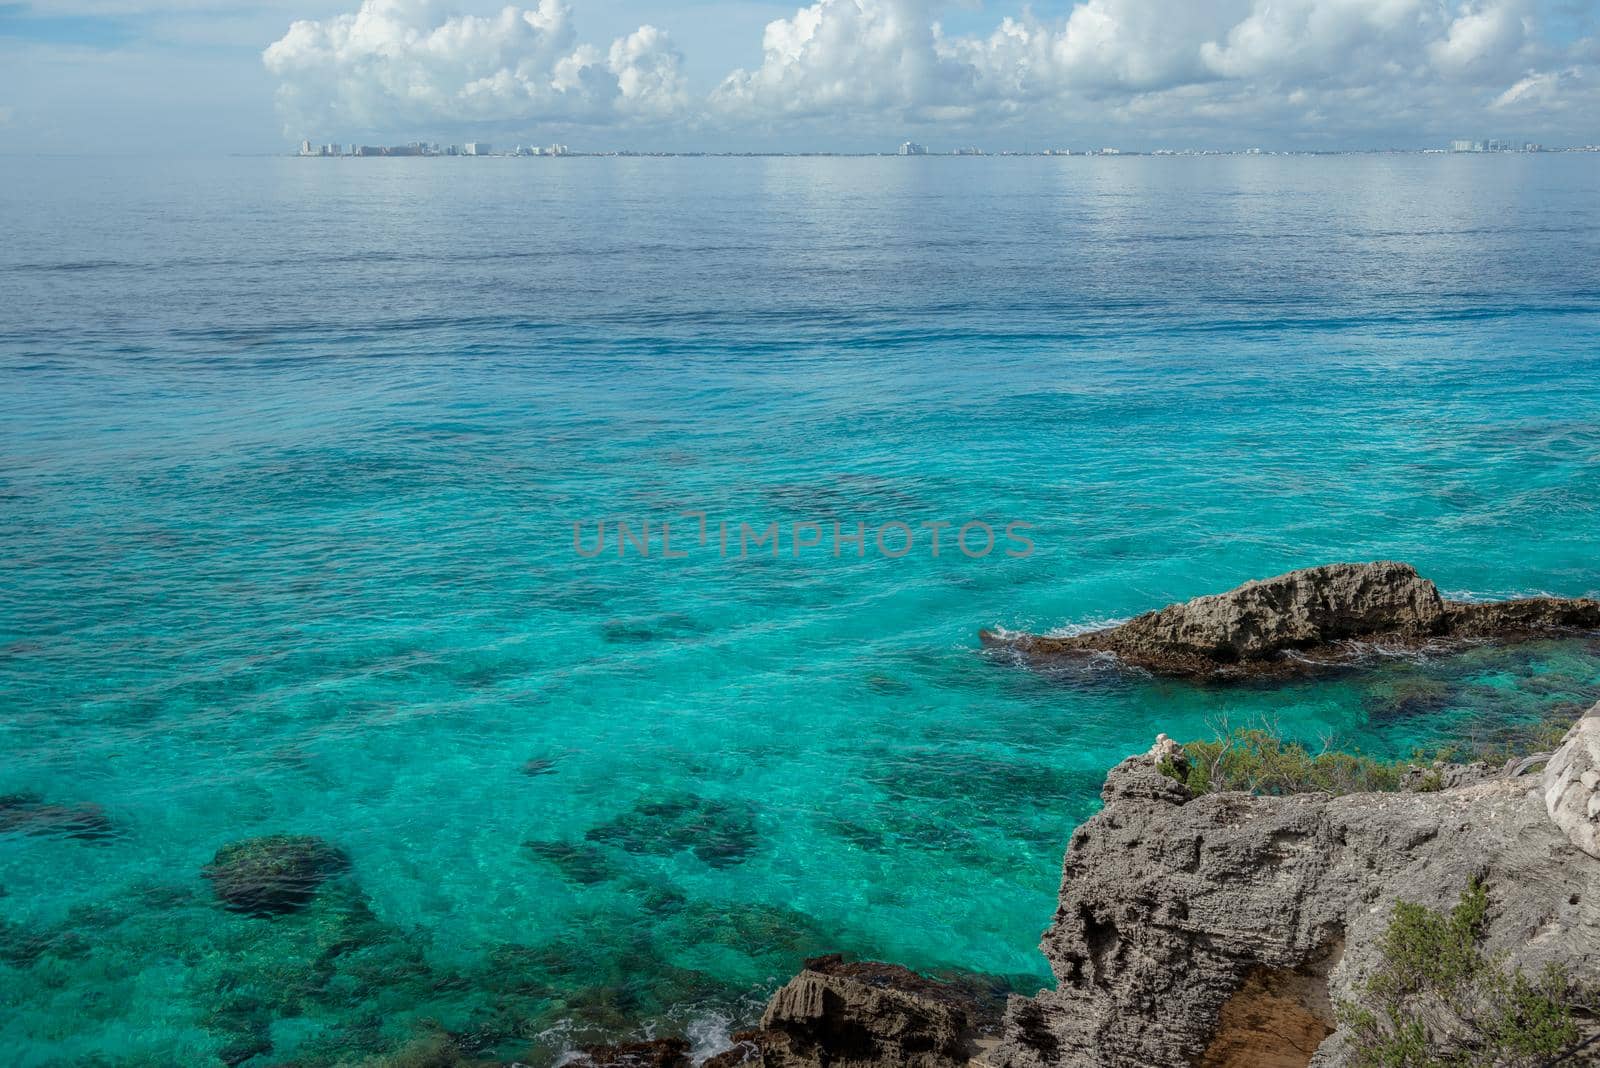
(1065,630)
(1088,626)
(1005,634)
(1377,650)
(708,1035)
(1479,597)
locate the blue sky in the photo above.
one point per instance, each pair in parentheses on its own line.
(143,75)
(25,22)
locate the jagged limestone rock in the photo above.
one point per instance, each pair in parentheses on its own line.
(655,1053)
(1315,614)
(1192,930)
(865,1014)
(1572,784)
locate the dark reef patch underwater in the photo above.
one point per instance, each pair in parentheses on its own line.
(31,814)
(275,874)
(720,833)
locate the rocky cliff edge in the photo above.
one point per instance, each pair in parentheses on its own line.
(1229,930)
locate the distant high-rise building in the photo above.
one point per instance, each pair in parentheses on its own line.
(476,148)
(305,149)
(1466,146)
(556,150)
(911,148)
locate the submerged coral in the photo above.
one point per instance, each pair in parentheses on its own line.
(274,874)
(720,833)
(31,814)
(582,863)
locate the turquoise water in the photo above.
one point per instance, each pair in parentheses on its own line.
(292,450)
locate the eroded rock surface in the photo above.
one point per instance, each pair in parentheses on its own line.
(864,1014)
(1276,1019)
(1571,784)
(1306,618)
(1192,929)
(1228,930)
(656,1053)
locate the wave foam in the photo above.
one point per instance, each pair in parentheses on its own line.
(1089,626)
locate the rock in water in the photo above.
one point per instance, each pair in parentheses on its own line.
(1315,612)
(275,874)
(657,1053)
(1220,930)
(837,1014)
(1301,609)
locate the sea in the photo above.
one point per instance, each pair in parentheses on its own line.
(556,538)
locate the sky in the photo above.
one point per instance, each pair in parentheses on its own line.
(205,77)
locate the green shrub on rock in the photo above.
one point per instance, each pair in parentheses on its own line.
(1437,1001)
(1259,761)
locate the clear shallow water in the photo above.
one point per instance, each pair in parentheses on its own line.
(289,459)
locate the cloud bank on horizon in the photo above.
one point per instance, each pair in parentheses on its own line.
(1336,67)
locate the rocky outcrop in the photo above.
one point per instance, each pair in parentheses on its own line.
(865,1014)
(1305,619)
(656,1053)
(1221,930)
(1571,784)
(1228,930)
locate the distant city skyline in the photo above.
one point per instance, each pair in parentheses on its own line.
(340,149)
(836,75)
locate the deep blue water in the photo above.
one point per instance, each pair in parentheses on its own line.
(291,453)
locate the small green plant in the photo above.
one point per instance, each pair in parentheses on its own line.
(1433,970)
(1260,761)
(1536,1018)
(1427,950)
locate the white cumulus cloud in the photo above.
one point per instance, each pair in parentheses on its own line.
(1482,35)
(867,56)
(407,63)
(1552,92)
(1335,67)
(847,57)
